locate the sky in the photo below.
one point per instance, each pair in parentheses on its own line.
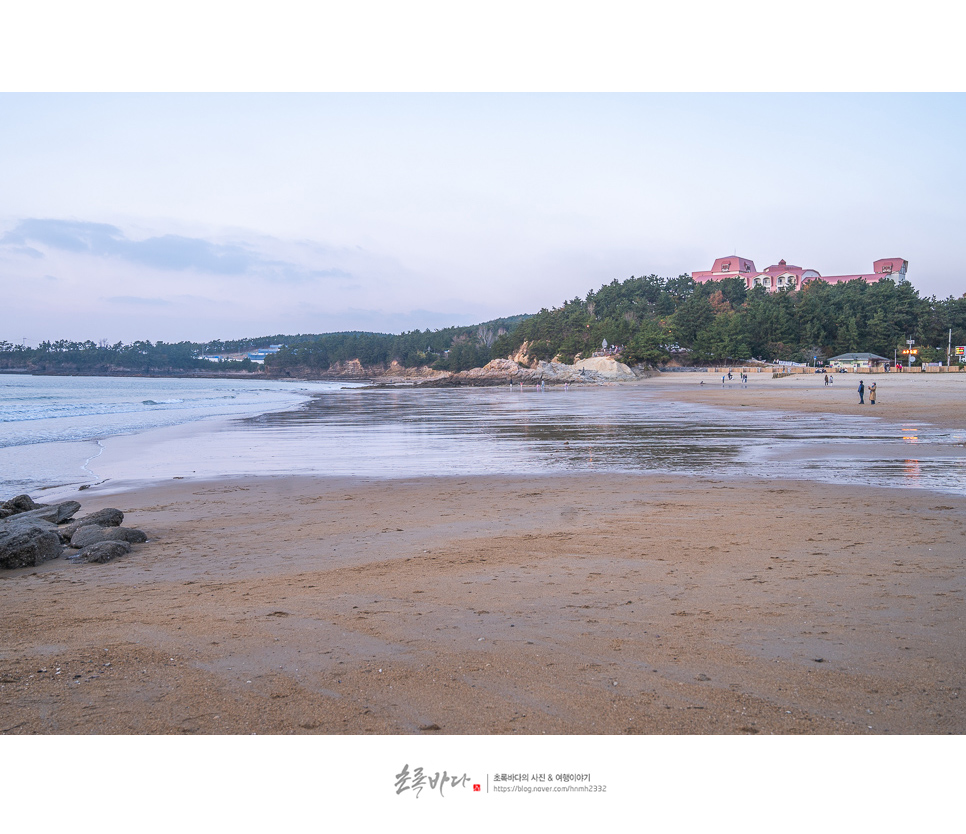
(200,216)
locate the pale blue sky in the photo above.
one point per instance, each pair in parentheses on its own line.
(197,216)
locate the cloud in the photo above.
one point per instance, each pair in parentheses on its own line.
(261,257)
(168,252)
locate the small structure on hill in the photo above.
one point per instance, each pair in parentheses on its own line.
(859,360)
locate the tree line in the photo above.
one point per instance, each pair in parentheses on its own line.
(451,349)
(660,319)
(654,319)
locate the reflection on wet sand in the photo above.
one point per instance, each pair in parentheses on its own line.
(403,433)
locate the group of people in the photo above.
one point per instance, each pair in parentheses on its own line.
(830,379)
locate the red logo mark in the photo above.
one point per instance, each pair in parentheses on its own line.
(476,787)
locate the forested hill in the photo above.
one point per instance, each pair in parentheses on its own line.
(450,349)
(652,319)
(453,348)
(655,319)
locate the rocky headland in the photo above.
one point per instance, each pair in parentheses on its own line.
(516,371)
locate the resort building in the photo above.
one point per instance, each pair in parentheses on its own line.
(785,276)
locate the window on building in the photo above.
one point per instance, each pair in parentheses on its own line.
(726,267)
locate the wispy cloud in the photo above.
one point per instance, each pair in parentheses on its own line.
(260,257)
(167,252)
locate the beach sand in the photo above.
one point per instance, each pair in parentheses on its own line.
(591,604)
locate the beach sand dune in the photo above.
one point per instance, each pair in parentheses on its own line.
(594,604)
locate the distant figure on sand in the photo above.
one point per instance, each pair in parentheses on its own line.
(861,392)
(872,394)
(826,379)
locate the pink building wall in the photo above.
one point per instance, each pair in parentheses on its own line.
(785,276)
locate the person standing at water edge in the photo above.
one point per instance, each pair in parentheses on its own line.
(872,394)
(861,392)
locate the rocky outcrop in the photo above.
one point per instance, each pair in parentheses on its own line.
(397,371)
(28,545)
(54,513)
(505,371)
(32,533)
(606,368)
(91,533)
(101,552)
(108,517)
(18,504)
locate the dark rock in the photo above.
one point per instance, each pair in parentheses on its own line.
(21,504)
(26,545)
(26,521)
(101,552)
(54,513)
(91,533)
(108,517)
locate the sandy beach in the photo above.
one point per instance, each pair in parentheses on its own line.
(586,604)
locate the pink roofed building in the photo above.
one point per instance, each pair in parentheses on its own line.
(785,276)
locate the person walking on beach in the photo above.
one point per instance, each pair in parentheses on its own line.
(861,392)
(826,380)
(872,394)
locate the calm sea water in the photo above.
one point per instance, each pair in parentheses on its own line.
(125,430)
(50,426)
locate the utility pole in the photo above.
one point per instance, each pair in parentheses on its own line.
(949,349)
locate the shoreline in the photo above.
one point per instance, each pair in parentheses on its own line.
(203,449)
(588,603)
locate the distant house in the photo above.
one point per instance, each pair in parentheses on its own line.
(260,354)
(859,360)
(785,276)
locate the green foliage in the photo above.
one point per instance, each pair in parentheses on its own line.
(454,348)
(722,321)
(651,318)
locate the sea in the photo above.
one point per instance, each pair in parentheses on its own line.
(60,434)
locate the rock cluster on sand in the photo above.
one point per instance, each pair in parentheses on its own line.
(32,533)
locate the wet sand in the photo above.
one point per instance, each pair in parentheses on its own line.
(591,604)
(939,399)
